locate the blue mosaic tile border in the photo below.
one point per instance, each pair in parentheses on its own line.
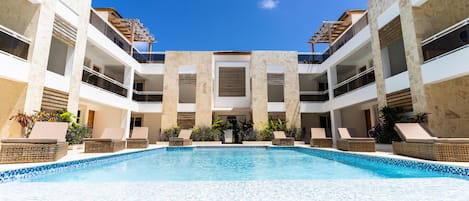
(31,172)
(445,170)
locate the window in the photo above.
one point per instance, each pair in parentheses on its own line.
(275,83)
(232,82)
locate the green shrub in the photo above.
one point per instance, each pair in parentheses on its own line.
(205,134)
(76,133)
(170,132)
(384,131)
(274,125)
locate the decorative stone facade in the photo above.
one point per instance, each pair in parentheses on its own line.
(448,107)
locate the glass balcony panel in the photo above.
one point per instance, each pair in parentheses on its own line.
(446,41)
(99,80)
(13,43)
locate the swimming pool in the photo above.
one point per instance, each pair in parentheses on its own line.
(253,173)
(234,164)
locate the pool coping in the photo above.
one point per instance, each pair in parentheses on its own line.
(19,174)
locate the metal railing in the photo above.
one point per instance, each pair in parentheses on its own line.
(361,79)
(147,96)
(449,40)
(148,57)
(314,95)
(109,31)
(13,43)
(104,82)
(341,41)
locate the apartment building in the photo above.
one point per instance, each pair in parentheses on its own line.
(64,54)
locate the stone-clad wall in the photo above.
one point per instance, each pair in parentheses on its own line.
(448,107)
(203,63)
(437,15)
(260,60)
(376,8)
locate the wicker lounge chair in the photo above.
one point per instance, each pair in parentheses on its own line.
(282,140)
(183,138)
(110,141)
(319,139)
(419,143)
(45,143)
(139,138)
(349,143)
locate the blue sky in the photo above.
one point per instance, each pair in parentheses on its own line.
(242,25)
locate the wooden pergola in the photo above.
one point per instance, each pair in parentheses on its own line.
(132,29)
(328,32)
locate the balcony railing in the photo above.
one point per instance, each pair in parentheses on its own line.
(13,43)
(449,40)
(109,31)
(314,95)
(341,41)
(350,33)
(147,96)
(312,58)
(356,81)
(104,82)
(152,57)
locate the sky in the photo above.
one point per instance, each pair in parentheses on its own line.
(240,25)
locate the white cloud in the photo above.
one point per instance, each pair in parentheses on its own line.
(269,4)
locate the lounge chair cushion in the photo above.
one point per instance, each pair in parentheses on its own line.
(318,133)
(412,131)
(140,132)
(113,133)
(185,133)
(32,141)
(49,130)
(279,134)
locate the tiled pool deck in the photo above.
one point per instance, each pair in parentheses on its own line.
(372,189)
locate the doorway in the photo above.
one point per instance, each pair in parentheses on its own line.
(90,119)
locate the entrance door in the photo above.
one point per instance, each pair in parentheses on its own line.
(367,120)
(90,119)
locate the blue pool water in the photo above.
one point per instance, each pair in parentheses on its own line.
(232,164)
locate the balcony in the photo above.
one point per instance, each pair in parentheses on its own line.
(337,44)
(109,31)
(449,40)
(12,43)
(359,80)
(147,96)
(314,96)
(152,57)
(104,82)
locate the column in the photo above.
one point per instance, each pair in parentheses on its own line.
(76,71)
(377,59)
(291,88)
(39,56)
(204,89)
(171,89)
(413,57)
(125,123)
(129,74)
(259,90)
(336,122)
(331,80)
